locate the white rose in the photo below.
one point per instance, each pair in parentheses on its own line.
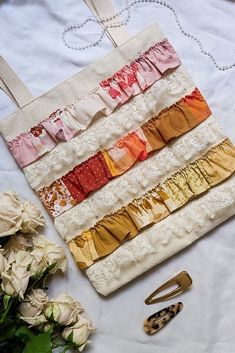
(38,264)
(3,261)
(15,280)
(17,242)
(33,303)
(79,333)
(16,215)
(20,258)
(46,327)
(31,217)
(51,253)
(63,310)
(35,321)
(10,213)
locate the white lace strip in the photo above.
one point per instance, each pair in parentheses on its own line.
(144,175)
(104,131)
(164,239)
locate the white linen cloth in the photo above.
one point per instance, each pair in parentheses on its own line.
(31,43)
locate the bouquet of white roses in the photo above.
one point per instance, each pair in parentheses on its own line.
(30,322)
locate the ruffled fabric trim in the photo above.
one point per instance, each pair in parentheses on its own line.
(64,124)
(67,155)
(196,178)
(144,175)
(172,122)
(163,239)
(141,73)
(30,145)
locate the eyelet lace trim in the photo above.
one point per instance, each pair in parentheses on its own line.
(134,183)
(103,132)
(164,239)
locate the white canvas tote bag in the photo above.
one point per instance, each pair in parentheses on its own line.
(125,155)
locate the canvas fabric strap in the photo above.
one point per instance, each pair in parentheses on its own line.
(12,85)
(104,9)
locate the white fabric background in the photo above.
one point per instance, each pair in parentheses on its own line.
(31,42)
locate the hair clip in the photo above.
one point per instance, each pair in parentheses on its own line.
(183,280)
(157,321)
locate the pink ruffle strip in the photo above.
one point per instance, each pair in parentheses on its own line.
(64,124)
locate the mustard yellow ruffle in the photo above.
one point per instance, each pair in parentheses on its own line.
(214,167)
(103,238)
(195,179)
(83,250)
(147,210)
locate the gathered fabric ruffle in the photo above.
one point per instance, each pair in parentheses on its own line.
(75,186)
(171,123)
(28,146)
(142,177)
(67,155)
(163,239)
(142,72)
(64,124)
(193,180)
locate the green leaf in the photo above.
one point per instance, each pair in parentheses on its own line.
(24,334)
(6,300)
(39,344)
(8,303)
(51,267)
(7,332)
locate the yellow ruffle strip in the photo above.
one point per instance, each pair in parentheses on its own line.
(196,178)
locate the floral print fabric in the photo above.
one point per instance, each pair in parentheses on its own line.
(57,197)
(140,74)
(28,146)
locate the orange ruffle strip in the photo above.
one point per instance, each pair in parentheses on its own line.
(95,172)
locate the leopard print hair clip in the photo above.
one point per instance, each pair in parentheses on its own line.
(158,320)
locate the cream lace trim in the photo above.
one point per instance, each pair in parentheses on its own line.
(103,132)
(164,239)
(132,184)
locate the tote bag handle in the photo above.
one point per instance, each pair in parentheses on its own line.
(11,84)
(103,9)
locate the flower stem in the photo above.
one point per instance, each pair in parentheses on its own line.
(6,311)
(66,348)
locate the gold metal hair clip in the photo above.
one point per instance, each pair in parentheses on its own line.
(183,280)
